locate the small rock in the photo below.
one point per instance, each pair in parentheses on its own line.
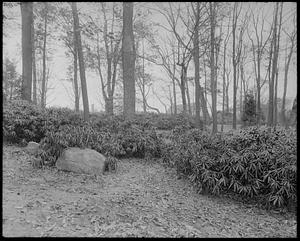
(32,147)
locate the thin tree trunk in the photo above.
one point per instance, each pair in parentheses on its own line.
(197,78)
(144,97)
(128,60)
(227,94)
(43,104)
(5,80)
(275,97)
(188,98)
(274,66)
(11,92)
(182,88)
(75,63)
(224,88)
(234,63)
(81,62)
(203,102)
(171,101)
(33,66)
(174,95)
(241,93)
(276,76)
(205,117)
(212,67)
(27,21)
(76,78)
(174,85)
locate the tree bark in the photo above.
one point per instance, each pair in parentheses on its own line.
(81,62)
(128,60)
(204,97)
(198,91)
(171,101)
(276,74)
(174,86)
(34,96)
(234,63)
(43,97)
(212,67)
(294,113)
(188,98)
(224,86)
(75,67)
(197,69)
(241,93)
(227,94)
(274,66)
(275,97)
(27,20)
(182,88)
(286,71)
(76,91)
(143,81)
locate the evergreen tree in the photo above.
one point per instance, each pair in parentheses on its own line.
(249,114)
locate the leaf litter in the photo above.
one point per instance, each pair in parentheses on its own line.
(141,199)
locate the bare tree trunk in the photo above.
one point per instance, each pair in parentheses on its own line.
(81,62)
(275,97)
(294,113)
(197,69)
(27,21)
(182,88)
(188,98)
(212,67)
(205,117)
(174,94)
(224,88)
(241,93)
(75,72)
(286,71)
(43,104)
(5,84)
(174,85)
(171,101)
(276,74)
(143,86)
(234,64)
(227,94)
(33,67)
(153,108)
(11,92)
(128,60)
(203,102)
(274,66)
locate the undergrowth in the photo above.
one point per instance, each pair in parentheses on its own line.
(252,163)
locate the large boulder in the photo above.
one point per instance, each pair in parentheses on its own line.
(79,160)
(32,147)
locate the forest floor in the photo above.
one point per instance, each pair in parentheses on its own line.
(142,199)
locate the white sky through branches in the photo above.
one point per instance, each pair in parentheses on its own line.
(58,95)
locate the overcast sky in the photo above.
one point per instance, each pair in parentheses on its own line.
(59,95)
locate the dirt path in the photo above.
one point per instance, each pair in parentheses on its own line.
(141,200)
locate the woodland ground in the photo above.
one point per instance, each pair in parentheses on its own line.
(142,199)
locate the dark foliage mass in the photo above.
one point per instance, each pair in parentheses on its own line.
(145,120)
(59,128)
(252,163)
(249,111)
